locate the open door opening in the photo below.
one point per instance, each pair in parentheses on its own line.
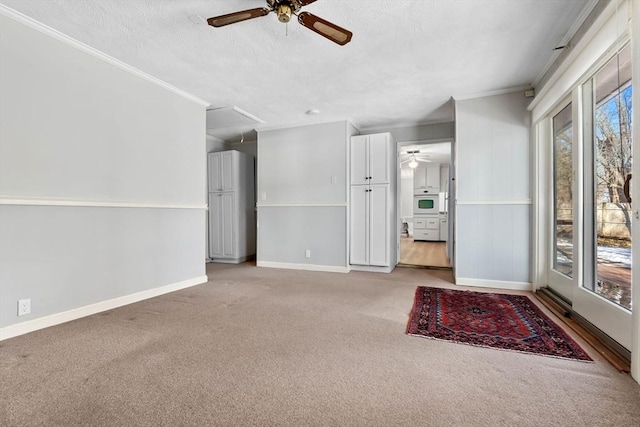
(425,178)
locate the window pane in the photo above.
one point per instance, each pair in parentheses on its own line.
(563,193)
(612,175)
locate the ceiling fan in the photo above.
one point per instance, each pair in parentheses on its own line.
(284,9)
(413,160)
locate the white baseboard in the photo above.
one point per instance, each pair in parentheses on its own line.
(306,267)
(372,269)
(497,284)
(232,260)
(76,313)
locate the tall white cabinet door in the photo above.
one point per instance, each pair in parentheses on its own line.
(359,235)
(379,225)
(215,226)
(226,171)
(379,159)
(359,160)
(228,225)
(215,168)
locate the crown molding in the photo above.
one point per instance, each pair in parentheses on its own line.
(55,34)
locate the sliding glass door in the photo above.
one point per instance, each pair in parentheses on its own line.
(592,204)
(604,297)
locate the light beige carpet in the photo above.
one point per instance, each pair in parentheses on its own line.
(261,346)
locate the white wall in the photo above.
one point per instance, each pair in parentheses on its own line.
(493,192)
(431,132)
(123,153)
(302,196)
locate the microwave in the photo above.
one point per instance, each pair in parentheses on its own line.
(426,204)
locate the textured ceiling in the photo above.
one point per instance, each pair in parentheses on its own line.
(405,61)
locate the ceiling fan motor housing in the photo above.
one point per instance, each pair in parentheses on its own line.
(284,12)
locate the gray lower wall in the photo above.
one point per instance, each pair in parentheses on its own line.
(68,257)
(285,233)
(493,242)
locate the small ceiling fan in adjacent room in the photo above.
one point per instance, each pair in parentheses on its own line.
(284,9)
(413,159)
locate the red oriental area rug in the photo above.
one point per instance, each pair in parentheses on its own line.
(508,322)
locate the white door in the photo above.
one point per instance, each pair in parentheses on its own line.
(379,225)
(215,168)
(228,231)
(379,158)
(215,225)
(359,160)
(226,171)
(359,235)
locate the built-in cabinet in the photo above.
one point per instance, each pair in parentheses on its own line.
(372,202)
(371,159)
(231,206)
(426,180)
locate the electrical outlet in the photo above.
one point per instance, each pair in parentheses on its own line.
(307,253)
(24,306)
(264,195)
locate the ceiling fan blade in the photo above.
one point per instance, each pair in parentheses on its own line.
(325,28)
(305,2)
(232,18)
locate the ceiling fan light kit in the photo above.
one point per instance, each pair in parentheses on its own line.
(284,9)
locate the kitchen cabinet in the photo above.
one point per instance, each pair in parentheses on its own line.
(426,180)
(371,159)
(426,228)
(232,223)
(444,229)
(370,225)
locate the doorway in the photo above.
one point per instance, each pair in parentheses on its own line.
(424,184)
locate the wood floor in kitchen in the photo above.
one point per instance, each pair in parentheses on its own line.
(431,254)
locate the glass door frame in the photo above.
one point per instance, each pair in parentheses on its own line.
(561,283)
(611,318)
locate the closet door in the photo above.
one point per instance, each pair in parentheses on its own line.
(359,235)
(229,232)
(379,159)
(379,225)
(359,160)
(215,226)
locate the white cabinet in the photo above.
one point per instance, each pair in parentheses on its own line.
(426,228)
(222,218)
(370,225)
(371,159)
(221,171)
(372,235)
(232,223)
(426,180)
(444,229)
